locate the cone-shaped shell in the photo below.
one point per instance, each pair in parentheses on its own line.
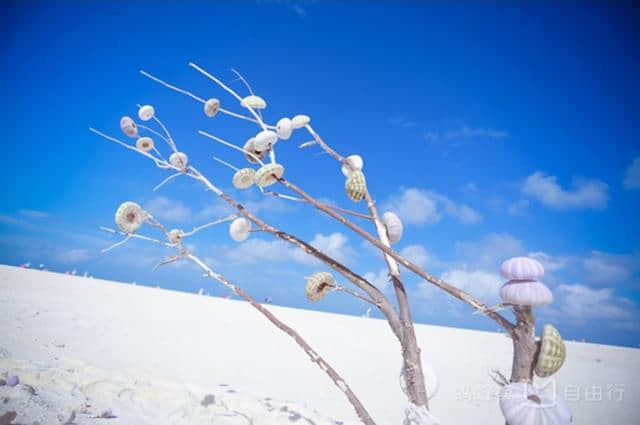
(552,352)
(319,285)
(250,147)
(356,164)
(175,235)
(179,160)
(146,112)
(284,128)
(144,144)
(244,178)
(300,121)
(522,268)
(525,292)
(356,186)
(129,217)
(254,102)
(211,107)
(265,175)
(128,127)
(394,226)
(264,140)
(524,404)
(239,229)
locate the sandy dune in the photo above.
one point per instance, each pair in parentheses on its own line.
(144,355)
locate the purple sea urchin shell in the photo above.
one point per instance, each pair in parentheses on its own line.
(12,381)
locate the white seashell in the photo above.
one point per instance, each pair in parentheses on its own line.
(525,292)
(300,121)
(144,144)
(254,102)
(244,178)
(268,174)
(250,147)
(211,107)
(394,226)
(130,216)
(179,160)
(319,285)
(239,229)
(356,186)
(146,112)
(356,164)
(128,127)
(284,128)
(175,235)
(265,140)
(552,352)
(521,268)
(524,404)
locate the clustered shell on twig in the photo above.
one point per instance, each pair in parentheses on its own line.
(284,128)
(253,102)
(355,164)
(244,178)
(176,235)
(552,352)
(239,229)
(144,144)
(524,404)
(318,285)
(523,288)
(300,121)
(129,217)
(211,107)
(265,140)
(394,226)
(179,160)
(356,186)
(146,112)
(128,127)
(251,151)
(268,174)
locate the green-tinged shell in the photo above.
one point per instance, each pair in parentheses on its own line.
(319,285)
(268,174)
(356,186)
(552,352)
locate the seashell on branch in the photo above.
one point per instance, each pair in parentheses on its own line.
(250,147)
(265,140)
(144,144)
(268,174)
(300,121)
(253,102)
(552,352)
(526,292)
(129,217)
(179,160)
(524,404)
(176,235)
(244,178)
(521,268)
(394,226)
(356,186)
(284,128)
(319,285)
(211,107)
(128,127)
(356,164)
(146,112)
(239,229)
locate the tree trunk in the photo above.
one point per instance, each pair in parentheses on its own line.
(524,345)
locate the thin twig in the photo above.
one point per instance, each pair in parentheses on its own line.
(231,145)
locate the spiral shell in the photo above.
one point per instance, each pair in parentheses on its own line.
(319,285)
(526,292)
(239,229)
(144,144)
(128,127)
(356,164)
(300,121)
(244,178)
(524,404)
(265,140)
(253,102)
(394,226)
(179,160)
(175,235)
(521,268)
(356,186)
(211,107)
(552,352)
(129,217)
(284,128)
(265,175)
(146,112)
(250,148)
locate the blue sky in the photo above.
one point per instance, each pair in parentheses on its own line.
(494,130)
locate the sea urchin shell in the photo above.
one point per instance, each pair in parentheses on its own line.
(244,178)
(319,285)
(129,217)
(552,352)
(268,174)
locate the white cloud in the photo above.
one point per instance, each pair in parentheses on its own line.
(632,175)
(550,263)
(419,207)
(518,207)
(490,251)
(609,268)
(417,254)
(402,122)
(74,256)
(466,132)
(580,302)
(584,194)
(380,280)
(168,209)
(35,214)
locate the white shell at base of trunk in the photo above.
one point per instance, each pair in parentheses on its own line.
(175,235)
(284,128)
(394,226)
(520,406)
(552,352)
(239,229)
(319,285)
(146,112)
(265,140)
(128,127)
(268,174)
(521,268)
(526,292)
(244,178)
(129,217)
(250,148)
(356,186)
(254,102)
(356,164)
(144,144)
(300,121)
(211,107)
(179,160)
